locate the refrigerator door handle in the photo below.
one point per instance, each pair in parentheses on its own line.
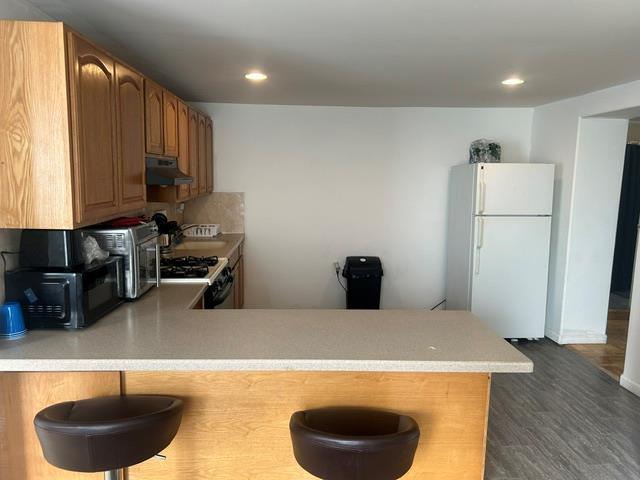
(479,243)
(483,192)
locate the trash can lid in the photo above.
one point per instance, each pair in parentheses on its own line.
(362,267)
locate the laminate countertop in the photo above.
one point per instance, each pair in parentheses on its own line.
(160,331)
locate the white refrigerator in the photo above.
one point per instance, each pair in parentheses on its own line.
(498,245)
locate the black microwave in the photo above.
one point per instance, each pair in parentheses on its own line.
(66,298)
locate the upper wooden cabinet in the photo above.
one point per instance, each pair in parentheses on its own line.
(161,120)
(76,150)
(184,191)
(209,154)
(130,129)
(35,152)
(202,154)
(93,117)
(75,126)
(170,125)
(195,157)
(154,120)
(193,151)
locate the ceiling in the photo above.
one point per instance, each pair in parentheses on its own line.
(450,53)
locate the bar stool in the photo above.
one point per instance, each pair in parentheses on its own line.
(108,433)
(343,443)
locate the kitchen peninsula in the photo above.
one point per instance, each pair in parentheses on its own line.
(83,125)
(242,373)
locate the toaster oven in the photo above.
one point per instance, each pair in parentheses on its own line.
(140,250)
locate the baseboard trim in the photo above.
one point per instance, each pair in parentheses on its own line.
(580,336)
(630,385)
(553,335)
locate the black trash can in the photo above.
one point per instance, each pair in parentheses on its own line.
(364,278)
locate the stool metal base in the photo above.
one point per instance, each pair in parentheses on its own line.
(112,475)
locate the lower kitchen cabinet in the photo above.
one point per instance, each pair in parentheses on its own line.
(235,424)
(238,285)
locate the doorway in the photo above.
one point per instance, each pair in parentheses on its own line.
(610,356)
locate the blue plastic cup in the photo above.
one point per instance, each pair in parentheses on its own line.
(11,320)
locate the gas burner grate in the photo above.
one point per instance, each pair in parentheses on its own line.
(189,261)
(177,271)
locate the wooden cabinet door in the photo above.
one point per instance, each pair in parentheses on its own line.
(184,191)
(93,115)
(209,154)
(153,117)
(170,125)
(193,151)
(202,155)
(130,130)
(238,284)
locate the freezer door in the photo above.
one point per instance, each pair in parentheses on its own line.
(510,270)
(514,189)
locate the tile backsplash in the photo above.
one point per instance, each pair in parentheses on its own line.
(225,208)
(173,213)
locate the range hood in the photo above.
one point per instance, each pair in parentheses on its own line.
(165,171)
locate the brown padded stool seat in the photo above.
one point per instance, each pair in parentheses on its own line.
(107,433)
(343,443)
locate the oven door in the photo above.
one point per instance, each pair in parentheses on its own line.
(221,293)
(148,264)
(228,301)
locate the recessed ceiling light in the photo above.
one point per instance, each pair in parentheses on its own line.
(513,81)
(255,76)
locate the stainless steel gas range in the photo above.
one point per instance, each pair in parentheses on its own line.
(213,271)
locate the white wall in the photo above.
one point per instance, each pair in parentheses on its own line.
(15,10)
(555,139)
(630,378)
(552,131)
(322,183)
(596,195)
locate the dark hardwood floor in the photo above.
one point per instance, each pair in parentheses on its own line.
(567,421)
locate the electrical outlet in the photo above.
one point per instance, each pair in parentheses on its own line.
(336,265)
